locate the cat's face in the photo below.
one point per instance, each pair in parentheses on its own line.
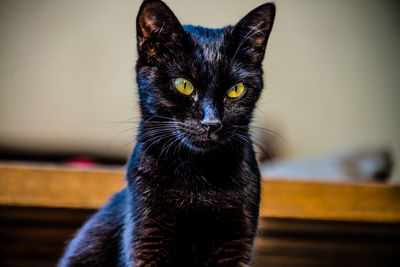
(198,87)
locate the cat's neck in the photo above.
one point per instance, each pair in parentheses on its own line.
(219,163)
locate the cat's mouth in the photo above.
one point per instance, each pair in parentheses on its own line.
(200,145)
(198,139)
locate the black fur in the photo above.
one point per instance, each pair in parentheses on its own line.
(193,193)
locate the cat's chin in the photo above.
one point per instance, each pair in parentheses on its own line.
(202,146)
(201,149)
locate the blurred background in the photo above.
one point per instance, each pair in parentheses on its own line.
(331,107)
(67,81)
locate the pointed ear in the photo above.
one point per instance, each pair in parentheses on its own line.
(157,29)
(250,35)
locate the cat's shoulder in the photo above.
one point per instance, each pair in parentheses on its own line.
(97,242)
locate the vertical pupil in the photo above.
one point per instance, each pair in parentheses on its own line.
(236,88)
(184,85)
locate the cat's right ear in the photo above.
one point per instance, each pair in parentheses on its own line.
(158,30)
(250,35)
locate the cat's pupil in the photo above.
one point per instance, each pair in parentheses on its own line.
(236,88)
(184,85)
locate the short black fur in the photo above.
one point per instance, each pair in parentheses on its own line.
(193,182)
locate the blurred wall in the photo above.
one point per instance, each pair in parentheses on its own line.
(67,73)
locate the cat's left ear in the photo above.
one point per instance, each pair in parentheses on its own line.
(158,30)
(250,35)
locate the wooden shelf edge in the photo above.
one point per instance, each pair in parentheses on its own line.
(330,201)
(40,186)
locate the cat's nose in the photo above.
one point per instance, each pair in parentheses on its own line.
(211,121)
(211,126)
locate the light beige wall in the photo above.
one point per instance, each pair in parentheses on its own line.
(333,75)
(67,72)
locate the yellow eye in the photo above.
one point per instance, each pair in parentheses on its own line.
(236,90)
(183,86)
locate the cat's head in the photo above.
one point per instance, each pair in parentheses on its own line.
(198,86)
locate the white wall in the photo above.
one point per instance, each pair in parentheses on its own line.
(67,71)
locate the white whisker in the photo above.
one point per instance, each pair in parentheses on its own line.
(247,36)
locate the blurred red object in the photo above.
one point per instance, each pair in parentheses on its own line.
(82,162)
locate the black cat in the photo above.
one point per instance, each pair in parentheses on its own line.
(193,182)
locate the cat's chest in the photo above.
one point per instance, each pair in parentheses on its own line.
(209,188)
(194,197)
(205,210)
